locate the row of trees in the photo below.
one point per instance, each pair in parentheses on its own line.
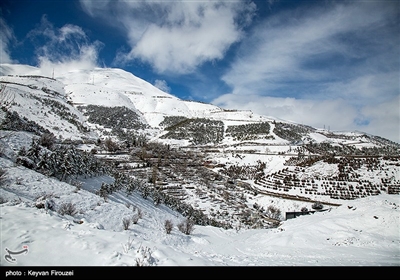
(65,162)
(291,132)
(346,150)
(113,117)
(128,184)
(249,131)
(199,131)
(245,172)
(170,121)
(62,111)
(14,122)
(60,161)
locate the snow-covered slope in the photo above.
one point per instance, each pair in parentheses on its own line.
(86,105)
(115,87)
(364,232)
(231,165)
(43,101)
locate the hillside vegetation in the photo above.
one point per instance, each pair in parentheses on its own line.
(215,167)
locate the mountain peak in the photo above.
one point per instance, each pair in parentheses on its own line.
(113,87)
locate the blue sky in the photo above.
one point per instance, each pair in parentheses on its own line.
(323,63)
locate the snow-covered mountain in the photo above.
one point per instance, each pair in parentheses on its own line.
(105,87)
(114,87)
(107,143)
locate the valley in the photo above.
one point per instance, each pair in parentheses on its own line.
(226,166)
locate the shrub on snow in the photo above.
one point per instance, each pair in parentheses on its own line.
(46,202)
(126,222)
(67,208)
(186,226)
(273,212)
(2,200)
(135,218)
(168,225)
(317,205)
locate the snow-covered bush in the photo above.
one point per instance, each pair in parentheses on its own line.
(127,246)
(2,200)
(157,198)
(168,225)
(67,208)
(2,148)
(145,191)
(135,218)
(186,226)
(110,145)
(273,212)
(144,257)
(126,222)
(77,184)
(46,202)
(137,212)
(317,205)
(47,140)
(133,185)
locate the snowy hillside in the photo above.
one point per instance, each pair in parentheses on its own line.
(43,101)
(110,87)
(110,169)
(361,232)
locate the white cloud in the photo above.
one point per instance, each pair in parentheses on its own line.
(382,120)
(176,36)
(162,84)
(85,60)
(6,36)
(335,113)
(294,46)
(370,88)
(63,49)
(70,31)
(331,65)
(93,7)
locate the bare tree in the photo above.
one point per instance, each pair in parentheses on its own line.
(186,226)
(110,145)
(67,208)
(273,212)
(168,225)
(126,222)
(135,218)
(47,140)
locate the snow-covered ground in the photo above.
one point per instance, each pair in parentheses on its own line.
(362,232)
